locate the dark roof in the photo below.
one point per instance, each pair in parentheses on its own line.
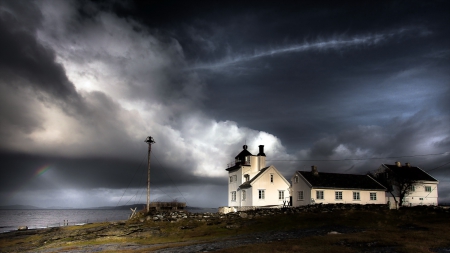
(341,181)
(248,183)
(235,167)
(240,159)
(411,172)
(243,154)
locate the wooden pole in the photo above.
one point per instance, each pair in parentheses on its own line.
(150,141)
(148,177)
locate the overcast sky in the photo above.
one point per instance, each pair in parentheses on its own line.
(82,84)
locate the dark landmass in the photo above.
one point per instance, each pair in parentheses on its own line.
(125,207)
(59,208)
(317,228)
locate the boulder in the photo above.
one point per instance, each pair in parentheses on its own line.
(21,228)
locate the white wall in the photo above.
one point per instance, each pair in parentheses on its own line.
(271,188)
(347,196)
(248,199)
(233,186)
(309,193)
(301,185)
(421,197)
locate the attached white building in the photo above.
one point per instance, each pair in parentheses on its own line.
(312,187)
(251,183)
(423,192)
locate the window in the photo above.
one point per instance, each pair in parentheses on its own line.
(295,179)
(247,160)
(420,198)
(319,194)
(428,188)
(338,195)
(356,196)
(280,195)
(261,194)
(300,195)
(271,178)
(244,195)
(247,177)
(412,188)
(373,196)
(235,178)
(231,179)
(233,196)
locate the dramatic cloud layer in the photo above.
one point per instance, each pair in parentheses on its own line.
(82,84)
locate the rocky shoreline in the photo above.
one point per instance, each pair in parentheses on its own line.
(154,225)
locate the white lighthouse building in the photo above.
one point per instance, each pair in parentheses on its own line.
(253,184)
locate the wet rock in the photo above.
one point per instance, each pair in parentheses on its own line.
(243,215)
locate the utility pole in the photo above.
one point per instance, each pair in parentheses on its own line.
(150,141)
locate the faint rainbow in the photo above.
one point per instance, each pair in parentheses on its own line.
(41,170)
(38,172)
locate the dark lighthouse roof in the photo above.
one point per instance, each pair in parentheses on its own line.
(241,157)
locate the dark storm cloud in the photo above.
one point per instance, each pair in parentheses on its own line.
(91,173)
(23,57)
(318,80)
(306,90)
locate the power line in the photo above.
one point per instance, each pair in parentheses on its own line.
(130,183)
(141,182)
(438,167)
(171,180)
(354,159)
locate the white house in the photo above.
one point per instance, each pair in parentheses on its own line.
(312,187)
(424,190)
(251,183)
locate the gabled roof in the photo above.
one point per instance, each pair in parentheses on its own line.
(411,172)
(248,184)
(340,181)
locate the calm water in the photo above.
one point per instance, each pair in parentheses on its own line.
(12,219)
(43,218)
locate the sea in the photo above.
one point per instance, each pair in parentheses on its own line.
(10,220)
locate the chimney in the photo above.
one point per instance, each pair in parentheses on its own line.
(399,164)
(408,165)
(314,170)
(261,150)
